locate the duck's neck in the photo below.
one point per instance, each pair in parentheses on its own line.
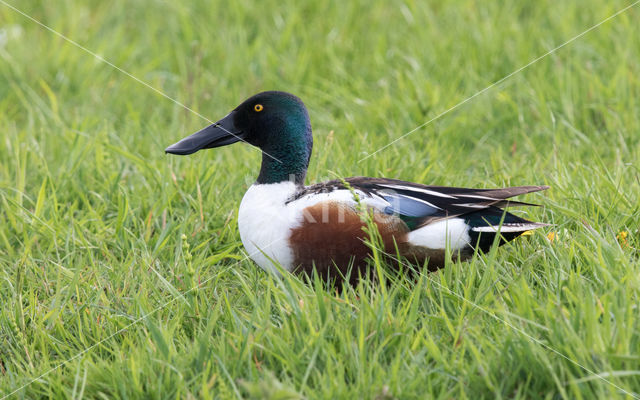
(282,166)
(287,158)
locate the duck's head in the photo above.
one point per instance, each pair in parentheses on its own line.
(276,122)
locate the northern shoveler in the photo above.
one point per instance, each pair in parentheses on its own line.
(302,227)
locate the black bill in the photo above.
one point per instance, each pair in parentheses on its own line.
(219,134)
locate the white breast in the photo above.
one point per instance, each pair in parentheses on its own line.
(265,223)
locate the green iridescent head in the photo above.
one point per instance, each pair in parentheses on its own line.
(275,122)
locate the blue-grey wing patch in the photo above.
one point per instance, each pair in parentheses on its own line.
(407,205)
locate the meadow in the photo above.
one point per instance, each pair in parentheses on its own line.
(122,274)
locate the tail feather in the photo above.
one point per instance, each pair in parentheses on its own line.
(513,203)
(486,224)
(519,227)
(509,192)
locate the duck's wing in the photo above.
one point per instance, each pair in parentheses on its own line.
(419,205)
(416,200)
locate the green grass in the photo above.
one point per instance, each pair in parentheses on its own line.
(92,213)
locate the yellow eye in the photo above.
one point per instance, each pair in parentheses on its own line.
(258,107)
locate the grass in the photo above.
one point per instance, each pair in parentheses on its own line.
(107,244)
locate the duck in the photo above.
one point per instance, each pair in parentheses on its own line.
(287,227)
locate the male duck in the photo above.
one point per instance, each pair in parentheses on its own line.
(302,227)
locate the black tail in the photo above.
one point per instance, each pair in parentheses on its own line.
(486,224)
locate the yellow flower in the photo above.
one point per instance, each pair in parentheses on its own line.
(622,239)
(551,236)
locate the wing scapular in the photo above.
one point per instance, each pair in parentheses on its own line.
(435,202)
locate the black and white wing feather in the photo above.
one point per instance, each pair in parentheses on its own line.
(424,204)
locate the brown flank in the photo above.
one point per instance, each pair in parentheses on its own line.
(331,238)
